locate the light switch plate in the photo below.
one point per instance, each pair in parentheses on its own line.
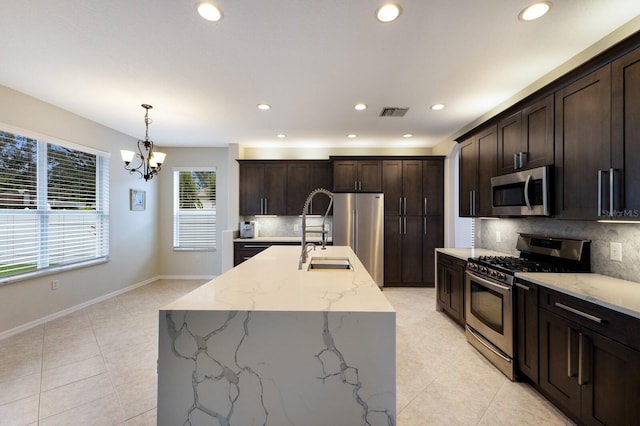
(616,251)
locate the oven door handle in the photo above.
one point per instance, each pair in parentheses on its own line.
(481,341)
(491,284)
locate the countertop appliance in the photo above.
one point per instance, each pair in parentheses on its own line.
(525,193)
(358,222)
(489,299)
(248,229)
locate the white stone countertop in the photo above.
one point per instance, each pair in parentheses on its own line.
(613,293)
(271,281)
(465,253)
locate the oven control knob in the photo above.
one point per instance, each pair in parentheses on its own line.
(493,274)
(501,276)
(483,269)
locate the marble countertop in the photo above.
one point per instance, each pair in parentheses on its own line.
(613,293)
(465,253)
(271,281)
(297,239)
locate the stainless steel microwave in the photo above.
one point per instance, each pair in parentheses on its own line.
(524,193)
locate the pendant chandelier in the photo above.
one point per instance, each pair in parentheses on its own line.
(150,161)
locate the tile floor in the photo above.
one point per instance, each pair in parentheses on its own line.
(97,366)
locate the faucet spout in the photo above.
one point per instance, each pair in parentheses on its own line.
(323,231)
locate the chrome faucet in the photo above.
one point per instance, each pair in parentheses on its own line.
(322,231)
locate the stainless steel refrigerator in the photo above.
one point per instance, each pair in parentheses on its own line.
(358,222)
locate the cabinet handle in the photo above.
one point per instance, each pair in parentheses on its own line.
(425,225)
(266,209)
(359,185)
(400,225)
(405,225)
(580,354)
(600,173)
(611,182)
(399,205)
(521,156)
(470,203)
(522,286)
(569,369)
(475,207)
(255,246)
(261,205)
(405,205)
(425,206)
(515,161)
(578,312)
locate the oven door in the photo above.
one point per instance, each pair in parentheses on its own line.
(489,311)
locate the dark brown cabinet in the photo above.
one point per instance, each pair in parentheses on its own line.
(478,165)
(414,197)
(525,138)
(245,250)
(526,304)
(583,145)
(589,360)
(351,175)
(625,137)
(304,177)
(263,188)
(450,286)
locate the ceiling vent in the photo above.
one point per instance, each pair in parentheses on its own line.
(393,112)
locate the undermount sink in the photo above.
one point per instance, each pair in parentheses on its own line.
(318,264)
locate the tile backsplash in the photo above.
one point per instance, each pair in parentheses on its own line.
(600,234)
(286,226)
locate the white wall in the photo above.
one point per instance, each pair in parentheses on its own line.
(189,263)
(132,232)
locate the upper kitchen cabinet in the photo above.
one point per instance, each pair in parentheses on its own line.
(302,178)
(351,175)
(625,135)
(583,145)
(263,188)
(478,165)
(525,138)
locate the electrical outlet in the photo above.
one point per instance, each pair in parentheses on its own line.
(498,237)
(296,227)
(54,285)
(616,251)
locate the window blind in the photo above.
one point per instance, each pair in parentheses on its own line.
(54,210)
(194,209)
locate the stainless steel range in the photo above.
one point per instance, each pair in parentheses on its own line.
(489,300)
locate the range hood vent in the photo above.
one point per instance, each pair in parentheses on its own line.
(393,112)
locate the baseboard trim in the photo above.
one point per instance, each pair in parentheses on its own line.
(56,315)
(186,277)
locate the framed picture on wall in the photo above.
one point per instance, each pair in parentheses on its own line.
(137,199)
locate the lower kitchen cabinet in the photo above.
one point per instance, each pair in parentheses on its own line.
(450,286)
(526,304)
(246,250)
(592,377)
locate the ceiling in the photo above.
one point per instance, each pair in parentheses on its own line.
(311,60)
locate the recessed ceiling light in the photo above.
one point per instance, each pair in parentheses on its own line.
(281,135)
(209,11)
(407,135)
(352,135)
(534,11)
(264,107)
(388,12)
(437,107)
(360,107)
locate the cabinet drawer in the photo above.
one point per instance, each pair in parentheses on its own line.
(615,325)
(445,259)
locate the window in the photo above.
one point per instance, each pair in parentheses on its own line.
(54,205)
(194,209)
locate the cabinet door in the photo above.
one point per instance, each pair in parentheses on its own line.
(298,184)
(251,189)
(345,175)
(610,378)
(432,238)
(527,329)
(369,175)
(559,360)
(412,250)
(509,143)
(275,188)
(433,187)
(468,154)
(451,289)
(412,187)
(392,250)
(321,177)
(537,133)
(626,130)
(487,154)
(392,187)
(583,143)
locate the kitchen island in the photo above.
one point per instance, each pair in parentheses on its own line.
(269,344)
